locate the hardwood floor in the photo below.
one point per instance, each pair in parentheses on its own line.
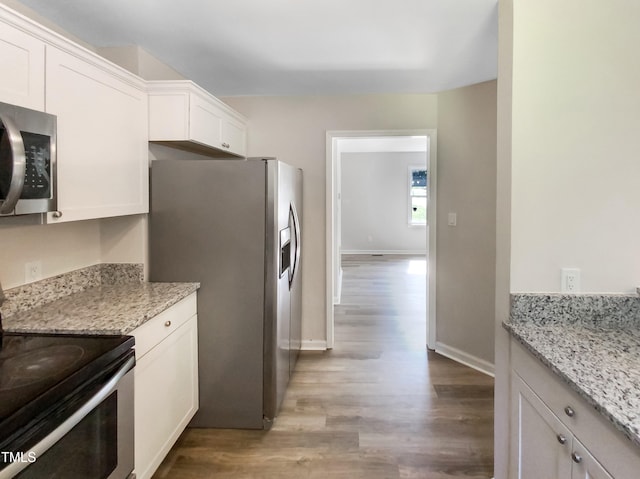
(377,406)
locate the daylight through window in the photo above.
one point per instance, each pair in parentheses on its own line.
(417,196)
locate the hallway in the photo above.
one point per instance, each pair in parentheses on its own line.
(377,406)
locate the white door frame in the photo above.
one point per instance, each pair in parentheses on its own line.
(332,159)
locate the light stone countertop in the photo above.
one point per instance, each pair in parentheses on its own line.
(602,364)
(104,309)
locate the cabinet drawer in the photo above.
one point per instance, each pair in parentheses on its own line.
(617,453)
(159,327)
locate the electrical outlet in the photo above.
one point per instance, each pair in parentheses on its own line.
(570,280)
(32,271)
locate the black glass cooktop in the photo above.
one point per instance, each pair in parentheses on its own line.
(38,370)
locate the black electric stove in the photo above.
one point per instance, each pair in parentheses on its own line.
(38,371)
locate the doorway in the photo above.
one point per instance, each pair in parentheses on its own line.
(343,142)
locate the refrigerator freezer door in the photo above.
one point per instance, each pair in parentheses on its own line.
(207,224)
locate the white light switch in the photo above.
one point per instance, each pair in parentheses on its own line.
(453,219)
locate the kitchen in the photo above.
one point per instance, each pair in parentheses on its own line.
(75,245)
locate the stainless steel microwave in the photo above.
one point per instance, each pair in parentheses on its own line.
(28,182)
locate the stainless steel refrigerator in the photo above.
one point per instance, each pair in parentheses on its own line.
(234,226)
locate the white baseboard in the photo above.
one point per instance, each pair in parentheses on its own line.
(384,251)
(465,358)
(313,345)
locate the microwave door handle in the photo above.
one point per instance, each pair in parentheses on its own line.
(296,229)
(19,166)
(43,446)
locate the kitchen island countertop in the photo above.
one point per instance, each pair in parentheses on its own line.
(602,364)
(105,309)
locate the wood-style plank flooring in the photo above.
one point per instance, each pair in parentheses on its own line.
(378,405)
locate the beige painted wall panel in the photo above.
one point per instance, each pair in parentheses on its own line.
(575,158)
(503,241)
(466,252)
(61,248)
(375,203)
(123,239)
(293,129)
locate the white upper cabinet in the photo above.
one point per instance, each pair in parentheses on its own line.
(102,137)
(183,115)
(102,118)
(22,60)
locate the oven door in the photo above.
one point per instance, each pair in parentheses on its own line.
(95,441)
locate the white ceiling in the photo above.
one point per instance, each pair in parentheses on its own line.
(282,47)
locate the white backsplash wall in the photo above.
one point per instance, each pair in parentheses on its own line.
(375,188)
(123,239)
(60,248)
(65,247)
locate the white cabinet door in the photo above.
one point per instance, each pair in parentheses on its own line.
(166,390)
(183,115)
(22,60)
(205,122)
(605,451)
(585,466)
(540,443)
(234,136)
(102,137)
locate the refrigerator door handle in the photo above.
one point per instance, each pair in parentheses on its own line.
(296,230)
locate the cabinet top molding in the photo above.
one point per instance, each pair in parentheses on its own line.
(17,20)
(185,87)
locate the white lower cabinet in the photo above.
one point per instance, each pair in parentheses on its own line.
(542,446)
(585,465)
(166,382)
(556,434)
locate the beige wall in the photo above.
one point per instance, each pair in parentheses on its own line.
(293,129)
(60,248)
(139,61)
(375,203)
(465,304)
(503,239)
(576,144)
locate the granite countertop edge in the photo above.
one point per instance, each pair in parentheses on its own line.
(575,385)
(101,310)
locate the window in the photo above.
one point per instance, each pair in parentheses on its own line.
(417,195)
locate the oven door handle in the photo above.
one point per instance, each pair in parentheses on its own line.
(43,446)
(19,162)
